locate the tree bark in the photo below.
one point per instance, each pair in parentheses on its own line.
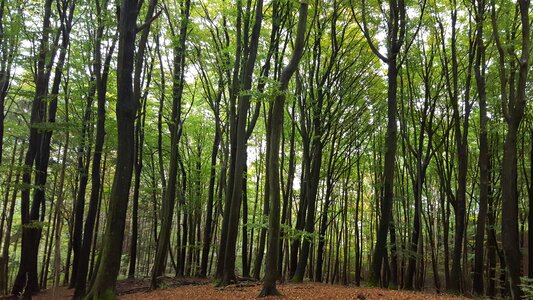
(228,271)
(513,107)
(101,70)
(39,148)
(111,249)
(175,126)
(484,155)
(271,271)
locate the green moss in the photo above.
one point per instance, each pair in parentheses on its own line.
(296,279)
(107,294)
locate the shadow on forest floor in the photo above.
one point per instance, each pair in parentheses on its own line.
(191,288)
(124,287)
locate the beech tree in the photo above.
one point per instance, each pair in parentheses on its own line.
(353,143)
(513,106)
(111,249)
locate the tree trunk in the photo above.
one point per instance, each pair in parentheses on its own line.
(39,150)
(228,271)
(111,249)
(84,158)
(530,217)
(101,70)
(396,35)
(169,193)
(8,185)
(7,241)
(209,214)
(244,244)
(513,108)
(271,271)
(484,155)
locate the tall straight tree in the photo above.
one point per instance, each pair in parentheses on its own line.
(175,127)
(111,248)
(420,148)
(513,101)
(274,136)
(214,98)
(484,155)
(43,111)
(140,100)
(396,28)
(101,67)
(451,66)
(242,84)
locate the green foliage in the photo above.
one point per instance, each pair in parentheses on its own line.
(527,286)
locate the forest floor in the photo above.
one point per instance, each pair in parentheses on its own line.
(193,288)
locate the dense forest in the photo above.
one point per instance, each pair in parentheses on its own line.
(357,142)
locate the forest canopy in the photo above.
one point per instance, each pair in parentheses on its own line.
(372,142)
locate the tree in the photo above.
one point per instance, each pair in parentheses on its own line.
(396,39)
(513,106)
(38,153)
(419,151)
(226,268)
(101,70)
(111,249)
(175,134)
(484,155)
(461,126)
(276,121)
(9,43)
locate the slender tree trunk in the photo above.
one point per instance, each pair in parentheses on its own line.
(169,193)
(396,29)
(84,157)
(390,154)
(4,267)
(228,273)
(39,149)
(209,214)
(182,246)
(530,217)
(49,236)
(258,262)
(8,185)
(276,127)
(101,70)
(244,255)
(287,196)
(59,205)
(484,155)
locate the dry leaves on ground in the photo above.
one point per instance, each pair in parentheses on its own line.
(289,291)
(202,289)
